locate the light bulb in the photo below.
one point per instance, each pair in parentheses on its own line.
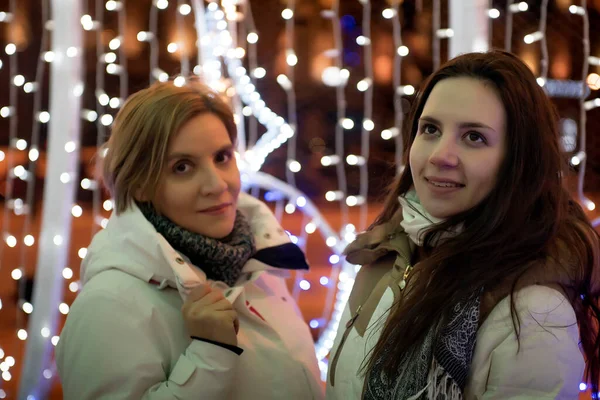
(77,211)
(287,14)
(185,9)
(67,273)
(252,37)
(403,51)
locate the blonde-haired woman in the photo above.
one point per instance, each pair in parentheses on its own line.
(184,294)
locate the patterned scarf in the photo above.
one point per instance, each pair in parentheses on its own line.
(220,259)
(438,367)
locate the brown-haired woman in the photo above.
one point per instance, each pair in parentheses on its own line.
(480,277)
(184,294)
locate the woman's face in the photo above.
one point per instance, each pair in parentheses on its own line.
(200,183)
(460,145)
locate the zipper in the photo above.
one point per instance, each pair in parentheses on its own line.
(336,357)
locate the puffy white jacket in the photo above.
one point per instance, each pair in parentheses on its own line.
(125,336)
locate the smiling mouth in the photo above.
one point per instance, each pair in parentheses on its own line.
(215,208)
(444,184)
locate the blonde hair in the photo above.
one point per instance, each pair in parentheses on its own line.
(143,128)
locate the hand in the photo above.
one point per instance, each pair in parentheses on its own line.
(209,315)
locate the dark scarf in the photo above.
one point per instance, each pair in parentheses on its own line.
(438,367)
(220,259)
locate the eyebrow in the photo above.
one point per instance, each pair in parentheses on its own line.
(462,125)
(172,156)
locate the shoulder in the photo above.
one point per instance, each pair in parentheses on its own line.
(537,303)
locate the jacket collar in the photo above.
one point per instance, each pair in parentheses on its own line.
(131,244)
(379,241)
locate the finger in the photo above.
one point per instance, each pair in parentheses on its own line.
(222,305)
(199,292)
(210,299)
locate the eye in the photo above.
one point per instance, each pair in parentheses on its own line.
(475,137)
(429,129)
(224,156)
(182,167)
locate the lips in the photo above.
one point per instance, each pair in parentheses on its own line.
(443,182)
(218,208)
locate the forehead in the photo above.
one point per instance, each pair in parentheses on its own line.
(203,133)
(464,99)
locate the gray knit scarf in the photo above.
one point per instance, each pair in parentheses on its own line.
(438,367)
(220,259)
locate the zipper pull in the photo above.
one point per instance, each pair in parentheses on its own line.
(351,320)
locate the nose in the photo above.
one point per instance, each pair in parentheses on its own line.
(213,182)
(445,152)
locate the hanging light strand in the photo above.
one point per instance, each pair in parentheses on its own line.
(29,204)
(183,53)
(582,108)
(12,138)
(341,112)
(398,110)
(367,114)
(436,42)
(100,111)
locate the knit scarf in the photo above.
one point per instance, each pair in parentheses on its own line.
(438,366)
(220,259)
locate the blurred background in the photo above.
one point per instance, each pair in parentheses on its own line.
(320,89)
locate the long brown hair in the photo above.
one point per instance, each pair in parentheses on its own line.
(528,220)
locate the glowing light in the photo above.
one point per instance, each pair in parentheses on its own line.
(67,273)
(48,56)
(290,208)
(161,4)
(287,14)
(347,123)
(82,252)
(16,274)
(292,59)
(77,211)
(106,119)
(368,124)
(11,241)
(21,144)
(310,228)
(363,85)
(45,332)
(172,47)
(324,281)
(252,37)
(304,284)
(185,9)
(179,81)
(58,240)
(55,340)
(19,80)
(27,308)
(21,334)
(294,166)
(114,44)
(301,201)
(259,73)
(65,177)
(29,240)
(107,205)
(63,308)
(388,13)
(403,51)
(34,154)
(331,241)
(493,13)
(74,287)
(10,49)
(363,41)
(334,259)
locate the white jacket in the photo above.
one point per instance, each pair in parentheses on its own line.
(125,336)
(549,364)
